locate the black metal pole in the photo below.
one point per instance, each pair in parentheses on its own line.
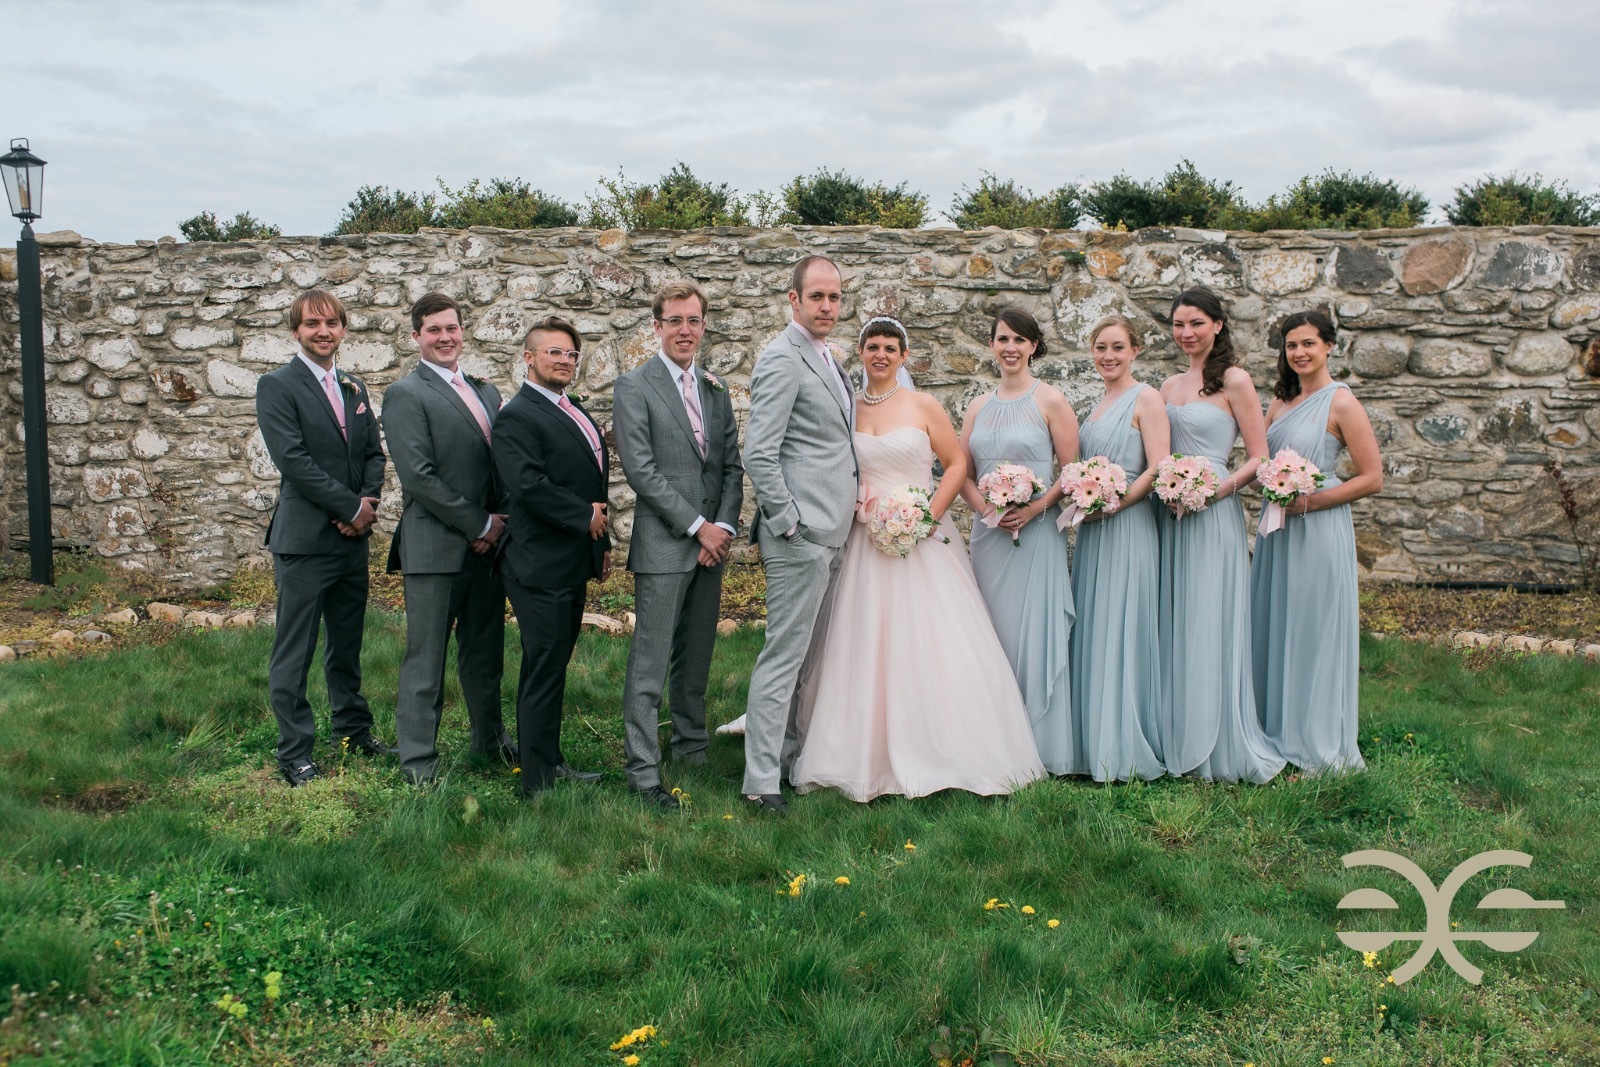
(30,305)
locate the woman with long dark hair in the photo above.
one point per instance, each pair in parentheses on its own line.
(1209,725)
(1305,614)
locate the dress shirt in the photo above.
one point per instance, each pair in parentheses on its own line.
(678,374)
(450,377)
(322,383)
(828,361)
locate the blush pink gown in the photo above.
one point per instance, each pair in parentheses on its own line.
(906,689)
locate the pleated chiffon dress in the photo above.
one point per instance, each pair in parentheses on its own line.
(1209,725)
(1116,650)
(1026,585)
(1306,622)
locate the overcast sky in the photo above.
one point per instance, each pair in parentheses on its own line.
(151,112)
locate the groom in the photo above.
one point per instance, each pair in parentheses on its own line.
(800,458)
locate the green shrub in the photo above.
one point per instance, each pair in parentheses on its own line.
(505,202)
(836,199)
(242,227)
(678,201)
(1183,197)
(375,209)
(1001,203)
(1517,201)
(1346,201)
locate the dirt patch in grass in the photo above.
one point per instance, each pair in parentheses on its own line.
(1419,611)
(103,798)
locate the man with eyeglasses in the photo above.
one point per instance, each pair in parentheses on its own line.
(679,446)
(551,461)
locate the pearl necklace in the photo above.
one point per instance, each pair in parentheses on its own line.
(868,398)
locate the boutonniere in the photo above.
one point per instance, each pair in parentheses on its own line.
(349,385)
(582,398)
(711,380)
(475,382)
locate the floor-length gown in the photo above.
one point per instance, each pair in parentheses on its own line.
(1026,583)
(1209,725)
(906,689)
(1116,651)
(1306,623)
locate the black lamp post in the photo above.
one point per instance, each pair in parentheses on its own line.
(24,178)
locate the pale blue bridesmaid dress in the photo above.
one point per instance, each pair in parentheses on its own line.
(1209,726)
(1306,619)
(1116,652)
(1026,586)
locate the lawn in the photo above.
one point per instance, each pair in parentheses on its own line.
(155,876)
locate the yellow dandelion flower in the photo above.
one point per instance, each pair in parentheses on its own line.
(727,817)
(861,915)
(1390,979)
(841,880)
(910,847)
(1327,1059)
(630,1060)
(516,770)
(1027,909)
(1454,924)
(1002,905)
(989,904)
(1369,958)
(1053,923)
(1383,1007)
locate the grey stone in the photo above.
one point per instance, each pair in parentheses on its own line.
(1519,265)
(1443,428)
(1360,269)
(1440,357)
(1540,353)
(1512,421)
(1380,355)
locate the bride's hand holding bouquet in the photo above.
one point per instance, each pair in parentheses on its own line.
(898,519)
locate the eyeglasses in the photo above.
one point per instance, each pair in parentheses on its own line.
(561,353)
(694,322)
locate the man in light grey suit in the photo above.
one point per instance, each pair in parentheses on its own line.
(438,422)
(679,446)
(800,455)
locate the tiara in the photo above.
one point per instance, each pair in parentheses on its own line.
(904,339)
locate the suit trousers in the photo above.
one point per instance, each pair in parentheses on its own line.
(472,602)
(798,572)
(673,638)
(549,620)
(329,587)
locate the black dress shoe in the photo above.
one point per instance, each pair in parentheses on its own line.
(564,770)
(365,745)
(659,797)
(298,774)
(772,802)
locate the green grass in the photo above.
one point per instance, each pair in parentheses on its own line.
(150,864)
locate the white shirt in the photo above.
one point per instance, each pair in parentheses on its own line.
(828,361)
(322,381)
(678,374)
(450,378)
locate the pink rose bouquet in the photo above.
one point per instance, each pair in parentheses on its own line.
(899,519)
(1187,481)
(1091,485)
(1283,479)
(1008,486)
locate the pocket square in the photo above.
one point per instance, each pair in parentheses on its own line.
(361,407)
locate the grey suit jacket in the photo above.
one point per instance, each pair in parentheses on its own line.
(673,483)
(325,473)
(445,470)
(799,450)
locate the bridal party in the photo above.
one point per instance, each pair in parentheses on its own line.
(1110,616)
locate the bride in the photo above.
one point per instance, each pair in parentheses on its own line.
(906,689)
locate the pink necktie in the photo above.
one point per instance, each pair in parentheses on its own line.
(583,424)
(474,405)
(838,377)
(691,404)
(332,389)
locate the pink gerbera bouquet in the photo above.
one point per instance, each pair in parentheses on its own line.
(1008,486)
(899,519)
(1187,481)
(1283,479)
(1091,485)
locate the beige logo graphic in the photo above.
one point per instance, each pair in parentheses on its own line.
(1437,935)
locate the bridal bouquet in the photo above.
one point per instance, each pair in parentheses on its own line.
(899,519)
(1008,486)
(1091,485)
(1283,478)
(1187,481)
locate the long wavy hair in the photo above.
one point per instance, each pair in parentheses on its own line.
(1288,384)
(1222,354)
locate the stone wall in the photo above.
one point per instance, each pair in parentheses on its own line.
(1469,348)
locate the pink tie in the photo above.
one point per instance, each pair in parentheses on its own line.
(332,389)
(838,376)
(474,405)
(691,404)
(583,424)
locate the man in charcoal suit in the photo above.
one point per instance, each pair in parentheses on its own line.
(438,421)
(800,453)
(551,460)
(679,446)
(322,433)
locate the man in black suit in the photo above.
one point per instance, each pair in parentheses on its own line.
(551,460)
(321,431)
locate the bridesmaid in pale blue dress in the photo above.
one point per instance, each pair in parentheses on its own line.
(1026,584)
(1306,621)
(1209,726)
(1116,652)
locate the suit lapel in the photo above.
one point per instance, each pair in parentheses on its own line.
(439,385)
(310,381)
(554,411)
(661,380)
(811,358)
